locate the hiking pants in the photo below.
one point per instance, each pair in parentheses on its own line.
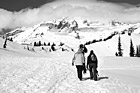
(92,70)
(79,71)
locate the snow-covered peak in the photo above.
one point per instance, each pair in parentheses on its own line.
(71,31)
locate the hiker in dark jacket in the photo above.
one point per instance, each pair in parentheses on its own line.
(92,64)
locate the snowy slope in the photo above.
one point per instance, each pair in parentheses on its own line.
(110,47)
(14,49)
(23,71)
(54,74)
(105,47)
(56,32)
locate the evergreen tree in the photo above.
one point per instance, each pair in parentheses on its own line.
(11,39)
(116,54)
(78,37)
(120,53)
(53,48)
(44,44)
(138,51)
(28,47)
(39,43)
(72,49)
(49,44)
(53,44)
(43,48)
(63,49)
(5,43)
(132,51)
(61,44)
(35,44)
(59,25)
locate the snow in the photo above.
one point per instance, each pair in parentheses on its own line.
(29,72)
(54,74)
(23,71)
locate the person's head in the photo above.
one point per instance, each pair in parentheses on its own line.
(91,52)
(81,46)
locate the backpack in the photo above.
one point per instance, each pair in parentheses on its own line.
(93,58)
(85,50)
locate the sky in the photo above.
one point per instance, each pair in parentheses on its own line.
(17,5)
(17,13)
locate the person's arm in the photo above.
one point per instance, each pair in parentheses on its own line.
(85,49)
(84,65)
(87,62)
(96,61)
(83,58)
(73,60)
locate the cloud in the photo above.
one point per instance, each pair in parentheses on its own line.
(6,18)
(93,10)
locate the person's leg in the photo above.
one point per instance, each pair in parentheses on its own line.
(94,75)
(79,72)
(84,68)
(91,72)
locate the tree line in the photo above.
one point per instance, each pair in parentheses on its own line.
(132,52)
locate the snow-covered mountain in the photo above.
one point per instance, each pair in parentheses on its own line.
(40,71)
(74,32)
(58,29)
(22,71)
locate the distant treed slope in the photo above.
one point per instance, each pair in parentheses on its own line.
(14,49)
(73,33)
(110,47)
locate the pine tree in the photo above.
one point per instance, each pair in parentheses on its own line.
(5,43)
(39,44)
(49,44)
(78,37)
(44,44)
(11,39)
(59,25)
(138,51)
(116,54)
(43,48)
(28,47)
(35,44)
(53,44)
(61,44)
(63,49)
(120,53)
(53,48)
(132,51)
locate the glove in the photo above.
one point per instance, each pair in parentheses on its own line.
(87,67)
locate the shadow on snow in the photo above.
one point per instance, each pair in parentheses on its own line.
(99,78)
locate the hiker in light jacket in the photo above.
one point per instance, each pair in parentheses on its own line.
(92,64)
(79,61)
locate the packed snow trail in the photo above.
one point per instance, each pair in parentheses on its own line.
(53,75)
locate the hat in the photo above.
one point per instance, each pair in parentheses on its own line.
(91,52)
(81,46)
